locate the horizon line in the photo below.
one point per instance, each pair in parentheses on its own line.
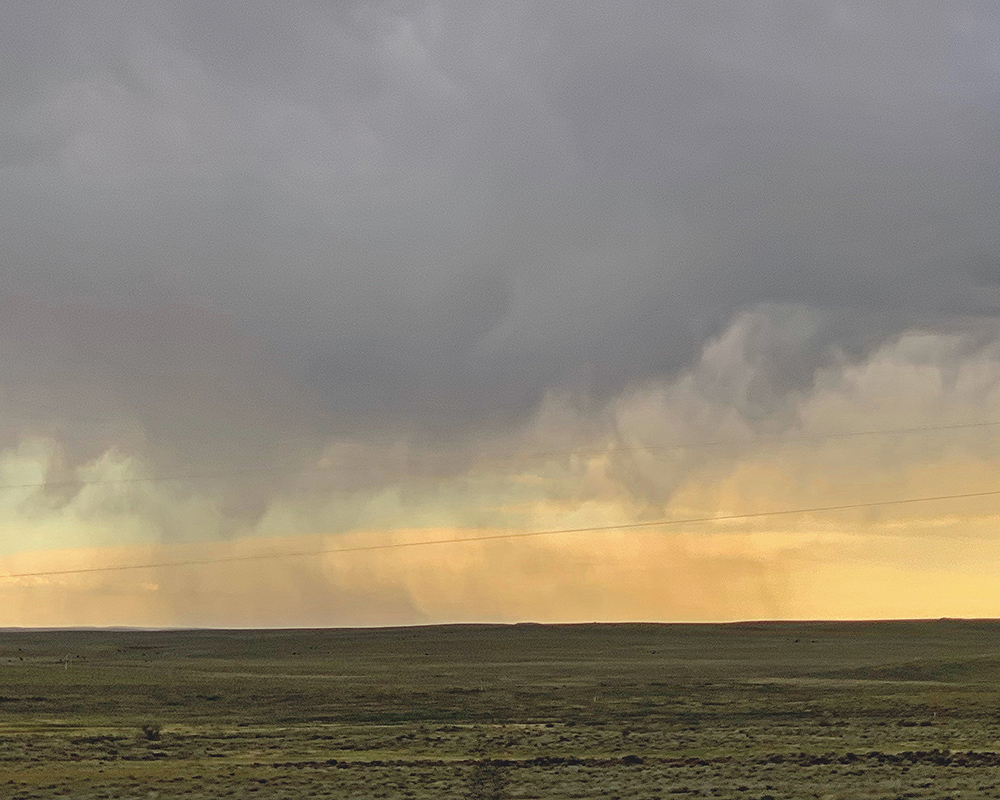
(520,623)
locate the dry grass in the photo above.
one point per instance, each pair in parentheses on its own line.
(879,710)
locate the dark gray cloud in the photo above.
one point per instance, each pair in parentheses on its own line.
(426,214)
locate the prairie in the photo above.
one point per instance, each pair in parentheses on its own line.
(752,710)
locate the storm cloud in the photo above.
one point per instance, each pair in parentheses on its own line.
(425,210)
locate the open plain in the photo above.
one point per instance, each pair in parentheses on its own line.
(761,710)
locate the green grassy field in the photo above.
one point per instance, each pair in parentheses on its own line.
(780,710)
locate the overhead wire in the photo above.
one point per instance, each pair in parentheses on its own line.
(502,536)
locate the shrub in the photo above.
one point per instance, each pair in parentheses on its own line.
(151,732)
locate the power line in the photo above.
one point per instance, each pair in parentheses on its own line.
(515,456)
(503,536)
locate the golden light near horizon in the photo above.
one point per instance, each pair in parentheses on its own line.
(702,576)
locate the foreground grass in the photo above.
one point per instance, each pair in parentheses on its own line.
(780,710)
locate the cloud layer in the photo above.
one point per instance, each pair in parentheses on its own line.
(300,234)
(431,206)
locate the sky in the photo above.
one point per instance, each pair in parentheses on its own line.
(285,277)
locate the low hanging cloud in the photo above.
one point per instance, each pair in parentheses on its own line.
(924,559)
